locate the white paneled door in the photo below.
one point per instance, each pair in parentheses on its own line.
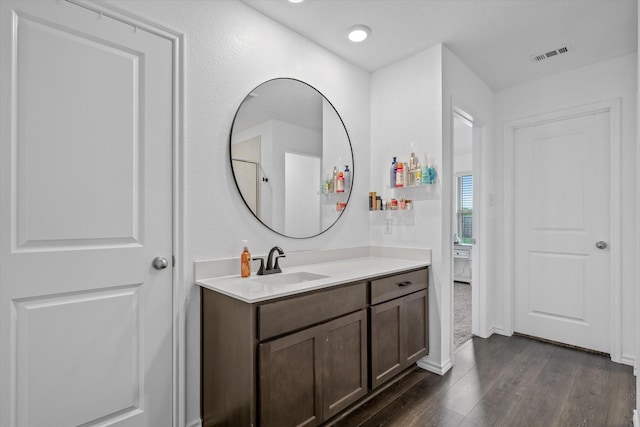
(86,192)
(562,226)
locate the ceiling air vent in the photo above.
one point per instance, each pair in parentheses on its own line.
(542,56)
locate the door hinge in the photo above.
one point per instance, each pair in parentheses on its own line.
(173,261)
(473,241)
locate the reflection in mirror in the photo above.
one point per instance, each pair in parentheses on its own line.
(289,152)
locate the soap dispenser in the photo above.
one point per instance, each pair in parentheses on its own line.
(245,261)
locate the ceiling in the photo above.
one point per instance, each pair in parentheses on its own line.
(495,38)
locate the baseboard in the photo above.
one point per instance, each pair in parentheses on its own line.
(439,369)
(636,423)
(195,423)
(628,360)
(498,331)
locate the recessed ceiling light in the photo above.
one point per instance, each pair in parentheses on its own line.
(358,33)
(296,1)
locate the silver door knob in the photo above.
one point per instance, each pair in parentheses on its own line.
(160,263)
(601,245)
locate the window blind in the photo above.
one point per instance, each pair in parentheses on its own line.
(464,190)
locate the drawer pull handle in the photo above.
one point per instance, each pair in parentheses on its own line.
(407,283)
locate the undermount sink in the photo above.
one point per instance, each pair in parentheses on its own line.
(287,278)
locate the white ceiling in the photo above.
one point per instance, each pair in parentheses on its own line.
(495,38)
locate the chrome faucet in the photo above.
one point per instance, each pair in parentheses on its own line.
(272,265)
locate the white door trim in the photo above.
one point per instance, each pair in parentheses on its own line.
(479,278)
(140,23)
(613,107)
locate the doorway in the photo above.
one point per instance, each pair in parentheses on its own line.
(463,227)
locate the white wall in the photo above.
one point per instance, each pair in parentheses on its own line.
(616,78)
(406,116)
(411,111)
(229,50)
(336,153)
(286,139)
(462,89)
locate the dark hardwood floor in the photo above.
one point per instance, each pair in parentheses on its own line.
(503,381)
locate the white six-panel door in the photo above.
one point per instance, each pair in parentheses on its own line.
(86,202)
(562,286)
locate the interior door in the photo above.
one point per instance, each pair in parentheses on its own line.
(86,202)
(301,195)
(562,263)
(246,174)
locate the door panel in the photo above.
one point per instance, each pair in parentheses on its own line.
(387,349)
(86,179)
(88,202)
(49,379)
(290,379)
(567,301)
(416,330)
(561,194)
(344,369)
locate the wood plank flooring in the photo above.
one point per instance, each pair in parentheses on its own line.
(503,381)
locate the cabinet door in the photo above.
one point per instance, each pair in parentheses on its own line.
(290,380)
(416,331)
(344,359)
(386,341)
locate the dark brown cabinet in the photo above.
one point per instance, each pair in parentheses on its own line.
(311,375)
(290,379)
(301,360)
(295,361)
(399,324)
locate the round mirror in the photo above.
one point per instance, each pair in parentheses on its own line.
(291,158)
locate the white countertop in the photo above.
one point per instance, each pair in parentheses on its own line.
(337,272)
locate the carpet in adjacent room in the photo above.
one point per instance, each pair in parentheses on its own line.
(462,313)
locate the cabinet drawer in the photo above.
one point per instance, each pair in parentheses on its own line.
(398,285)
(280,317)
(460,253)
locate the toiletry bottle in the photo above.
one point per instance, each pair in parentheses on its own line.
(405,174)
(340,182)
(418,177)
(411,172)
(394,168)
(334,178)
(400,175)
(425,176)
(245,261)
(347,178)
(432,174)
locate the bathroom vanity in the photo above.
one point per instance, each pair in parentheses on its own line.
(300,347)
(462,263)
